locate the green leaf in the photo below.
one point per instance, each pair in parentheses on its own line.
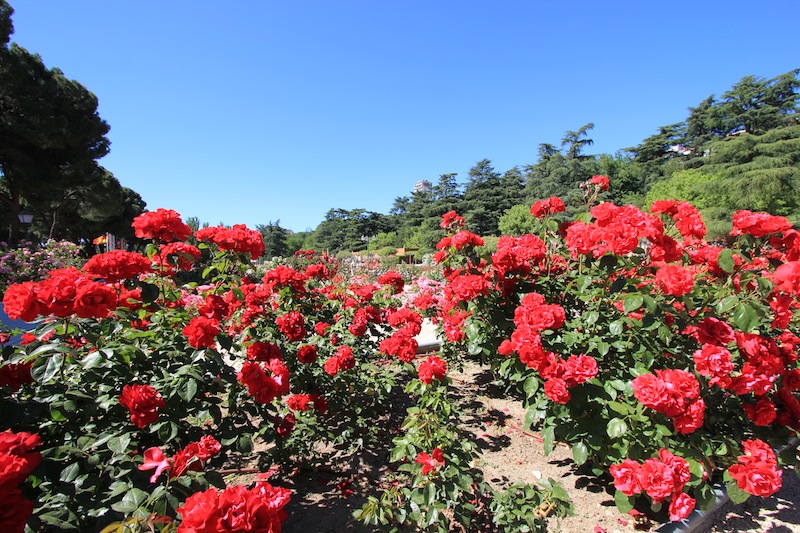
(44,373)
(725,260)
(624,502)
(580,453)
(531,385)
(621,408)
(616,428)
(119,444)
(132,500)
(745,317)
(726,304)
(69,474)
(736,494)
(590,317)
(189,390)
(616,327)
(548,436)
(632,302)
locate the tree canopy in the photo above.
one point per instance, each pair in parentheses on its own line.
(51,138)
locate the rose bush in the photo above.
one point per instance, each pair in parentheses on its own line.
(140,387)
(634,340)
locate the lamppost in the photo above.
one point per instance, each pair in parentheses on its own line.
(25,218)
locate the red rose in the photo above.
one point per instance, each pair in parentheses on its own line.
(15,510)
(142,401)
(656,479)
(162,224)
(691,418)
(235,509)
(180,255)
(393,279)
(758,479)
(307,354)
(762,413)
(292,324)
(432,368)
(194,455)
(94,300)
(14,375)
(556,390)
(285,425)
(600,182)
(681,506)
(465,238)
(56,294)
(300,402)
(712,330)
(434,461)
(626,477)
(238,239)
(117,265)
(262,388)
(543,208)
(674,280)
(201,332)
(20,302)
(400,344)
(579,368)
(758,224)
(263,351)
(787,277)
(452,221)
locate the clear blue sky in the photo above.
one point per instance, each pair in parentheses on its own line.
(251,111)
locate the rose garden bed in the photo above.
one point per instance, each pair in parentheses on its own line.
(660,363)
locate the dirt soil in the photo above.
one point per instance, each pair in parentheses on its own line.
(324,499)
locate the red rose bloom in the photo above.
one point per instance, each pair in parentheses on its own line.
(238,239)
(758,224)
(626,477)
(57,293)
(263,351)
(452,221)
(180,255)
(787,277)
(758,479)
(194,455)
(600,181)
(432,368)
(94,300)
(142,401)
(674,280)
(431,462)
(201,332)
(543,208)
(300,402)
(393,279)
(235,509)
(307,354)
(15,510)
(292,324)
(656,479)
(14,375)
(162,224)
(20,302)
(681,506)
(556,390)
(117,265)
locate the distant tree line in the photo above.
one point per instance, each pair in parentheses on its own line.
(51,138)
(737,151)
